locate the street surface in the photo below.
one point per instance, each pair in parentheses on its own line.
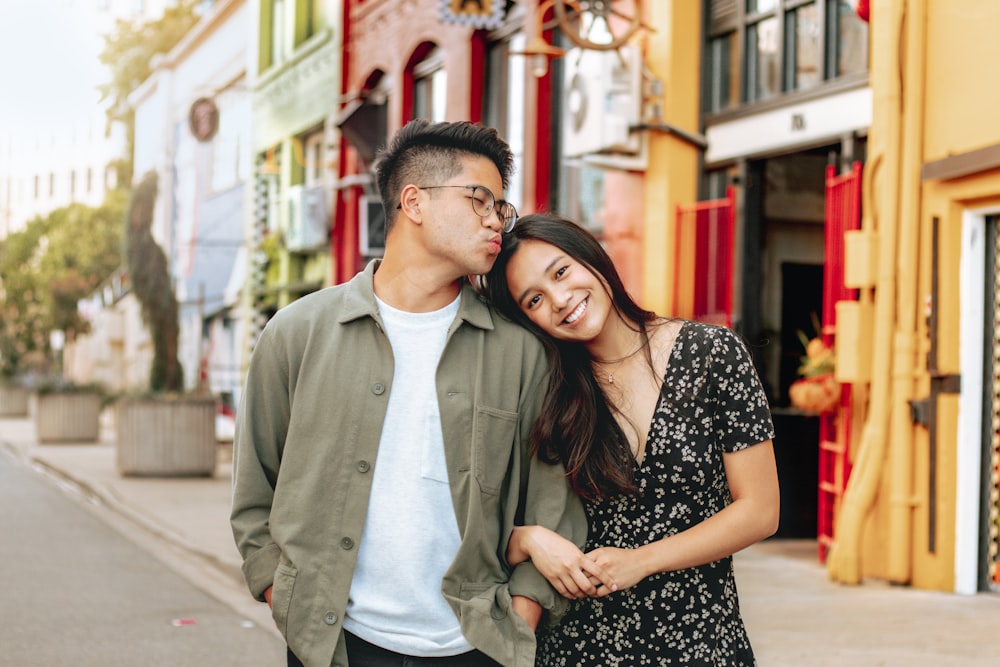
(77,592)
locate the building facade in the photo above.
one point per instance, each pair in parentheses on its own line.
(923,502)
(295,84)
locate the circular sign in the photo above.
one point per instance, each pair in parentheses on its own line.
(203,119)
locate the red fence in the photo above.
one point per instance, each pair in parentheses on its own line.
(843,213)
(707,228)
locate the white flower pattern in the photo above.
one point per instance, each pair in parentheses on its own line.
(711,402)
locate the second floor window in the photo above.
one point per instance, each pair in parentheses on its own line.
(430,87)
(756,50)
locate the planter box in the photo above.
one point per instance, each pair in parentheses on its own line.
(67,416)
(166,437)
(13,401)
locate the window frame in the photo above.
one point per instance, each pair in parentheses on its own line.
(731,19)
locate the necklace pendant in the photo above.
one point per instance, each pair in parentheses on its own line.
(611,377)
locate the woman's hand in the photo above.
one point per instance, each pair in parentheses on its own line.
(623,566)
(571,572)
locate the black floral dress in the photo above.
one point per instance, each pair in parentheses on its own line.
(711,402)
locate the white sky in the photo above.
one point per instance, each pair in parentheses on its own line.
(49,71)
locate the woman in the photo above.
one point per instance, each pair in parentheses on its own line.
(665,432)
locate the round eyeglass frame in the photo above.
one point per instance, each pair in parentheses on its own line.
(480,195)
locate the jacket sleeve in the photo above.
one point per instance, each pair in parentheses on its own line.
(261,426)
(545,500)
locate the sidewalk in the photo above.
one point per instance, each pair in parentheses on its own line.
(795,616)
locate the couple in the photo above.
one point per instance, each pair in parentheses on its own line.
(419,480)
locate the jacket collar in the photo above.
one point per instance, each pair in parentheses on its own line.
(360,301)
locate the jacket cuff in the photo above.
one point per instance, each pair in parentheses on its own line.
(526,580)
(259,568)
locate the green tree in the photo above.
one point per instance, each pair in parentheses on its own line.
(45,270)
(23,343)
(83,249)
(128,53)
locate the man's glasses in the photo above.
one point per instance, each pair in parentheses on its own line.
(484,204)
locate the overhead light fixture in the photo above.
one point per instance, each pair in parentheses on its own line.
(537,49)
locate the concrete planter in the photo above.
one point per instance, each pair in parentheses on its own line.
(166,437)
(67,416)
(13,401)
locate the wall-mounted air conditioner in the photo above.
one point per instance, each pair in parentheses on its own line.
(371,226)
(602,98)
(307,226)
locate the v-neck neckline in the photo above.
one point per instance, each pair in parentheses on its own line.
(639,458)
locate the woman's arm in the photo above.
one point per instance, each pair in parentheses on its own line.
(571,572)
(751,517)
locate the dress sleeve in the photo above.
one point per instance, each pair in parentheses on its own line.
(742,416)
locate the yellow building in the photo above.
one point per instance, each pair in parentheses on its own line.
(923,502)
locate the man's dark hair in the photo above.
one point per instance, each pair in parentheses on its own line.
(428,153)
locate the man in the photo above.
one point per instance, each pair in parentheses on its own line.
(382,453)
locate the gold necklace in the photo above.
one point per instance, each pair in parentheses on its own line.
(611,374)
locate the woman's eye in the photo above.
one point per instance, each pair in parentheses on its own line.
(533,301)
(561,271)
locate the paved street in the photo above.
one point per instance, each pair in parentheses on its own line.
(76,592)
(795,616)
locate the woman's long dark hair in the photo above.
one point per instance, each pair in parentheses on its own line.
(577,425)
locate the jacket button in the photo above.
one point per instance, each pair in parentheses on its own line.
(346,543)
(330,618)
(378,388)
(364,466)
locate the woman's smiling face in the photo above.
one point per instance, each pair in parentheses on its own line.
(557,293)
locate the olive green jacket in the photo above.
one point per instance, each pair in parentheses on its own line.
(307,436)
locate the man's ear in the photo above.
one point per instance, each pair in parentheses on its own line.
(409,202)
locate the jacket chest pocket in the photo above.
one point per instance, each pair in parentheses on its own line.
(494,434)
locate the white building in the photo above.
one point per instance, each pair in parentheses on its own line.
(192,128)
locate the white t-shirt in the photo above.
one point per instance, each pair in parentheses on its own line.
(411,535)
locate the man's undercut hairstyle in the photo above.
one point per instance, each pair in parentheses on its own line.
(426,153)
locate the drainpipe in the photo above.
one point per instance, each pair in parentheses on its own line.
(905,360)
(881,213)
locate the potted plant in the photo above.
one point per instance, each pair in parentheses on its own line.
(66,412)
(164,432)
(816,390)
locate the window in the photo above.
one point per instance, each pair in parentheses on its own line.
(723,89)
(430,87)
(503,107)
(306,20)
(848,37)
(72,184)
(273,33)
(762,60)
(802,42)
(52,185)
(766,48)
(90,180)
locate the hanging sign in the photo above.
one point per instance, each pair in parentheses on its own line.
(203,119)
(481,14)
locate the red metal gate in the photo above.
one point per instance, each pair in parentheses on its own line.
(843,213)
(706,228)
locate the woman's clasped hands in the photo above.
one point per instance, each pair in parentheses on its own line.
(573,573)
